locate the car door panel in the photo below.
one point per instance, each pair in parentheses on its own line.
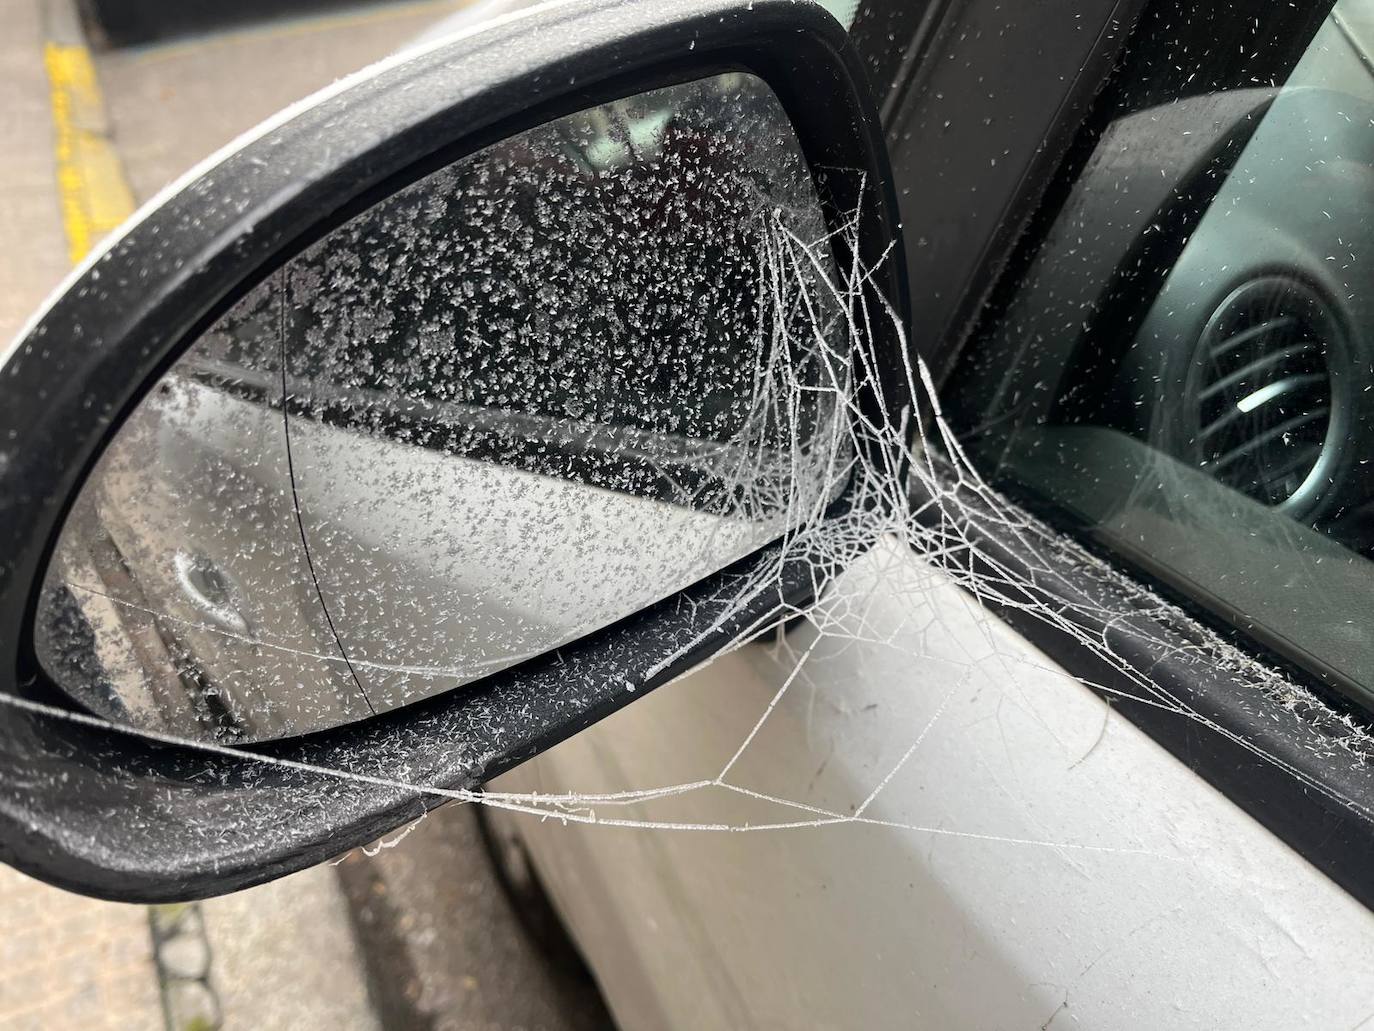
(1035,856)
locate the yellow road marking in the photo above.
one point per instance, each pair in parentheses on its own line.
(90,180)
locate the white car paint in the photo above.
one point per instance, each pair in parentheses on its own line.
(1036,862)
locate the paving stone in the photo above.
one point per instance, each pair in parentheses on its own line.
(191,1006)
(185,956)
(71,962)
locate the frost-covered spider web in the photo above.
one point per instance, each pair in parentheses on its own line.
(913,488)
(830,436)
(908,487)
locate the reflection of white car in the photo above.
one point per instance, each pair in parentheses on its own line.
(324,513)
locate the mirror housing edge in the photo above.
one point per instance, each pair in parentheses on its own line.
(130,816)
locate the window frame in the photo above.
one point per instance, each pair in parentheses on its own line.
(1278,762)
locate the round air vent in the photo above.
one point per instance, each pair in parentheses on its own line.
(1264,391)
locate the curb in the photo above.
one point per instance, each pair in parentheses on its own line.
(182,954)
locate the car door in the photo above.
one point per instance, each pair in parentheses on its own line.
(999,778)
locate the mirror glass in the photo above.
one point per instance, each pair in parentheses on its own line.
(533,392)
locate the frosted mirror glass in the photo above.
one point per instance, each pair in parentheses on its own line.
(537,390)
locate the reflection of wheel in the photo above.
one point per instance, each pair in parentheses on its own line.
(533,908)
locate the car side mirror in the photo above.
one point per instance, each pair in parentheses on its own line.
(448,413)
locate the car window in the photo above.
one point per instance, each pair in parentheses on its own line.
(1183,371)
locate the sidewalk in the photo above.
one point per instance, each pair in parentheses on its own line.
(33,257)
(69,962)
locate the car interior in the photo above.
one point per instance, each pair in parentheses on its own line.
(1187,376)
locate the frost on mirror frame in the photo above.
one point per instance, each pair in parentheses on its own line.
(532,393)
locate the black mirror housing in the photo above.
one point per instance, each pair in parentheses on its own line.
(139,816)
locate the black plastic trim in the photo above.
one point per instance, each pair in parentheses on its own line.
(978,127)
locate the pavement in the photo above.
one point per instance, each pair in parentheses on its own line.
(174,103)
(418,934)
(67,961)
(35,255)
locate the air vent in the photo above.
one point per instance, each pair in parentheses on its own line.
(1262,390)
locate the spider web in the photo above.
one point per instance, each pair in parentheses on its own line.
(913,491)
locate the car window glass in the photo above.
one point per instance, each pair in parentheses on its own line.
(1185,371)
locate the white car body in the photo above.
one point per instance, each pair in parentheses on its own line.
(1035,861)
